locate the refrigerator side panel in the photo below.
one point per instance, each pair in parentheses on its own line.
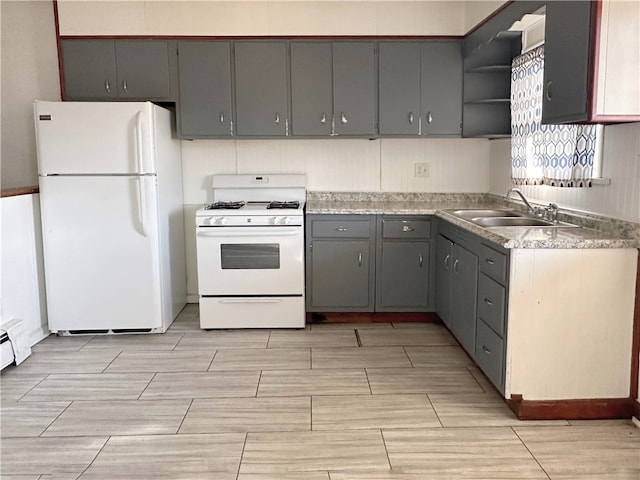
(92,137)
(173,268)
(101,252)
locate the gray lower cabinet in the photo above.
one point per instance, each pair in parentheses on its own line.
(118,69)
(261,89)
(340,261)
(204,106)
(464,287)
(444,248)
(403,259)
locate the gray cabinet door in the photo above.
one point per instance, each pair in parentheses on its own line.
(143,69)
(341,275)
(441,78)
(311,88)
(89,69)
(444,263)
(399,88)
(566,63)
(354,88)
(464,294)
(261,88)
(205,89)
(403,278)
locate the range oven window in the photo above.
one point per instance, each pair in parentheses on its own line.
(251,256)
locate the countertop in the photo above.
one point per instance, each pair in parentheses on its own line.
(610,233)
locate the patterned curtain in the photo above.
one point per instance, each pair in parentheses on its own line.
(557,155)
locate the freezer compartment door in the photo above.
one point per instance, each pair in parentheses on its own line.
(101,252)
(94,137)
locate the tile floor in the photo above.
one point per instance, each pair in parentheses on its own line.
(283,405)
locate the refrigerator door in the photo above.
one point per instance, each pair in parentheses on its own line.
(101,252)
(94,137)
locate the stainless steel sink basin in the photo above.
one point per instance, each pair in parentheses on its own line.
(511,222)
(474,213)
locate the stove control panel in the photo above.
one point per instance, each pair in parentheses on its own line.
(248,220)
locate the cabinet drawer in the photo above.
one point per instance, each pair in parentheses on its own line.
(490,354)
(493,263)
(398,228)
(341,229)
(491,303)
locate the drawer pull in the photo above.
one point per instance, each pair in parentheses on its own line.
(107,86)
(486,350)
(488,302)
(489,261)
(407,228)
(342,229)
(360,259)
(420,257)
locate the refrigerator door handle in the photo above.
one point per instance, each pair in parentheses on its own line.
(138,143)
(142,204)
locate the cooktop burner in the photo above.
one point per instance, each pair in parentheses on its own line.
(225,205)
(292,204)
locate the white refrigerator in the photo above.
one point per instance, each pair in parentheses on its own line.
(110,179)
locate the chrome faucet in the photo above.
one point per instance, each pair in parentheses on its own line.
(550,212)
(533,210)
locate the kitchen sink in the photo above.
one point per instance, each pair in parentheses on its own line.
(474,212)
(511,222)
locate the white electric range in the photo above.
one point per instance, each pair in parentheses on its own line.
(250,251)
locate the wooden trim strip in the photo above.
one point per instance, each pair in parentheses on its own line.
(14,192)
(635,343)
(488,18)
(636,409)
(577,409)
(594,63)
(262,37)
(56,20)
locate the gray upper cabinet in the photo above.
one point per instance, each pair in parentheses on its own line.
(204,107)
(261,88)
(420,88)
(117,69)
(441,80)
(399,88)
(566,62)
(354,88)
(311,89)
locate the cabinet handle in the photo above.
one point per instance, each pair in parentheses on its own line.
(455,265)
(489,261)
(411,118)
(323,118)
(486,350)
(446,261)
(547,90)
(124,86)
(343,118)
(342,229)
(429,117)
(488,302)
(277,118)
(420,257)
(107,86)
(407,228)
(221,117)
(360,259)
(286,127)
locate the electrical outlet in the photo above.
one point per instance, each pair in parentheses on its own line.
(422,170)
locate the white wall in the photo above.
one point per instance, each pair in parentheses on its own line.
(621,163)
(29,71)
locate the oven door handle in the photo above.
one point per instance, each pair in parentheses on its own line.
(268,232)
(251,300)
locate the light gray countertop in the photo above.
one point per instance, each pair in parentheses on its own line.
(508,237)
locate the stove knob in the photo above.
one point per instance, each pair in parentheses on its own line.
(221,221)
(273,220)
(285,221)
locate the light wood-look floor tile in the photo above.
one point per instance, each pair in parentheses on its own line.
(422,380)
(14,385)
(461,453)
(586,452)
(290,383)
(312,338)
(478,410)
(262,359)
(444,355)
(354,357)
(217,339)
(60,361)
(373,411)
(164,341)
(28,419)
(168,457)
(313,451)
(36,455)
(185,323)
(89,386)
(257,414)
(285,476)
(202,385)
(157,361)
(404,337)
(66,344)
(132,417)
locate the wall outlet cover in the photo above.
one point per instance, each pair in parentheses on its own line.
(422,170)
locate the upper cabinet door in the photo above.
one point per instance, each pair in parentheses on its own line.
(399,88)
(143,69)
(205,89)
(311,88)
(566,63)
(261,88)
(354,88)
(89,69)
(441,78)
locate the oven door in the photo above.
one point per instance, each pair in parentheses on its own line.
(250,260)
